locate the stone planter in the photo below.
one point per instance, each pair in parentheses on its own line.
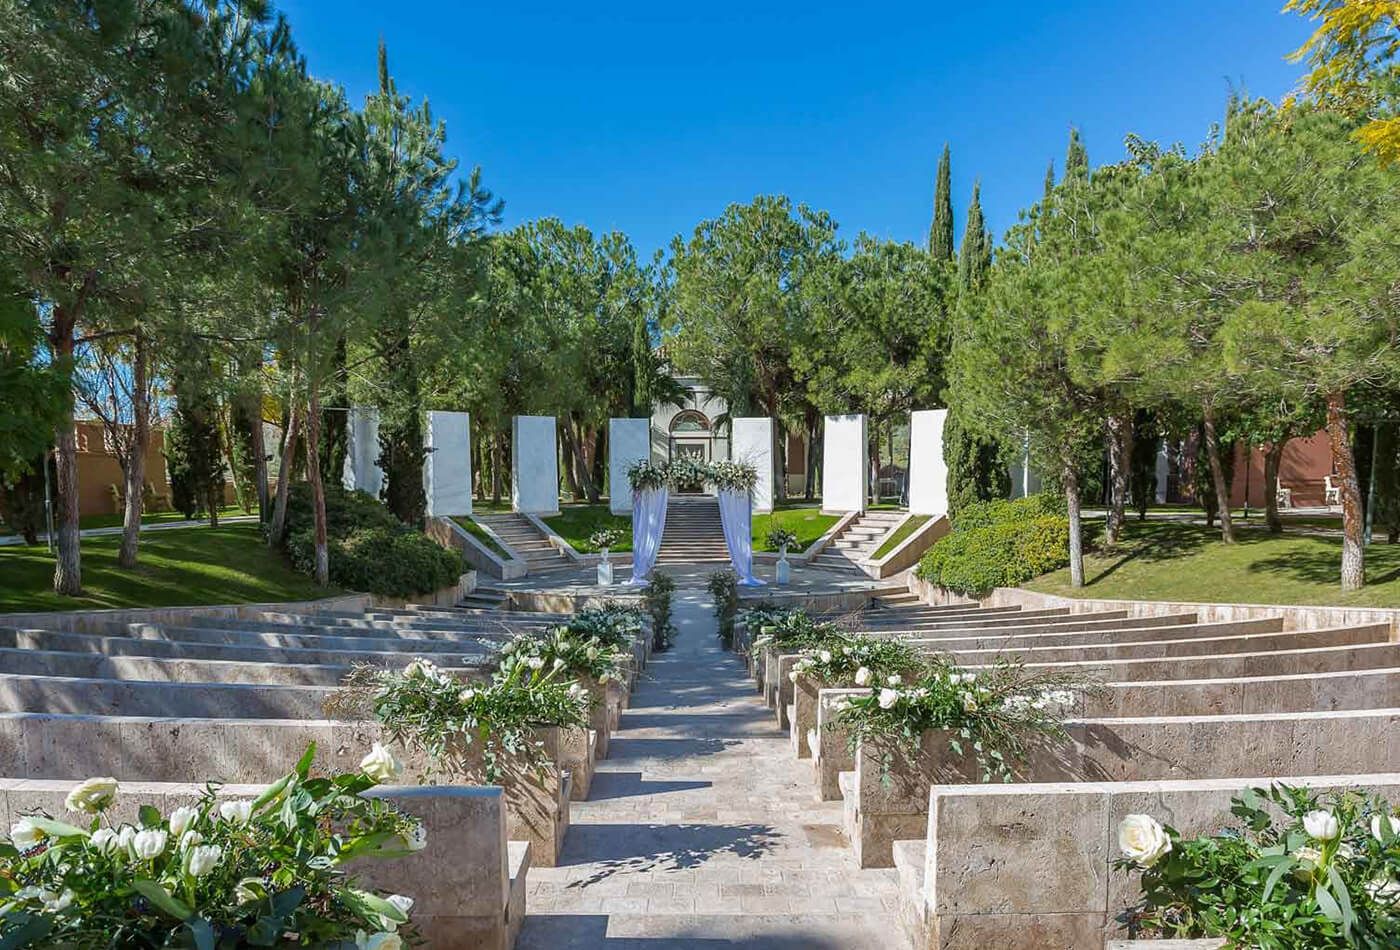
(802,714)
(1210,943)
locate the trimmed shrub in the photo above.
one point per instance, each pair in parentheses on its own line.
(999,544)
(370,550)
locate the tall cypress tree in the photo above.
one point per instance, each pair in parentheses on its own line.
(975,256)
(193,448)
(641,366)
(1076,157)
(940,232)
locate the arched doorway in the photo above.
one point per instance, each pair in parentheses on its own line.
(691,436)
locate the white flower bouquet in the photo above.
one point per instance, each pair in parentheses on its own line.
(211,873)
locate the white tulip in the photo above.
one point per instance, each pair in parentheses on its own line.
(204,859)
(379,764)
(1376,826)
(862,676)
(1321,825)
(189,839)
(888,697)
(24,834)
(149,843)
(969,702)
(249,889)
(92,796)
(1143,840)
(466,695)
(794,674)
(125,836)
(182,820)
(415,669)
(559,664)
(535,663)
(236,813)
(105,841)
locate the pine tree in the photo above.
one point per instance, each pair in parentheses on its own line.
(1076,157)
(940,234)
(975,256)
(193,447)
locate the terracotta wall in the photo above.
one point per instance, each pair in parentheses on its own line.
(1304,468)
(98,469)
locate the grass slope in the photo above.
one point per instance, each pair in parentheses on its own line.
(575,523)
(181,566)
(1174,561)
(897,538)
(478,532)
(805,521)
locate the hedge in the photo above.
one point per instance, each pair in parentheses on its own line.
(369,549)
(999,544)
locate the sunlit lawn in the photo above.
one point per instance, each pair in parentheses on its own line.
(805,521)
(180,566)
(1172,561)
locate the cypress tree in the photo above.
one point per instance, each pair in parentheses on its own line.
(940,232)
(975,256)
(975,472)
(642,366)
(193,446)
(1076,158)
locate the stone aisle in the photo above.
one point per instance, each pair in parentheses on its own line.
(701,829)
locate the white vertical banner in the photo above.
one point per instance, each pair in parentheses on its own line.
(928,471)
(534,456)
(753,445)
(447,474)
(362,472)
(845,463)
(629,442)
(648,525)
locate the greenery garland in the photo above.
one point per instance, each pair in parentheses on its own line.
(681,473)
(647,475)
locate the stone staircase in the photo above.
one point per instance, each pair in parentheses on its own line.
(483,598)
(522,537)
(694,533)
(858,540)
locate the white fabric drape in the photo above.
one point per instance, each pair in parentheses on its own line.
(736,514)
(648,523)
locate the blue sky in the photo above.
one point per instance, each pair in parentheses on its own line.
(648,118)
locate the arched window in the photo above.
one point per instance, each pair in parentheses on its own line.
(690,421)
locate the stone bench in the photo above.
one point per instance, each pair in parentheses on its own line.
(468,883)
(1023,867)
(146,748)
(112,697)
(99,666)
(316,641)
(882,807)
(1178,628)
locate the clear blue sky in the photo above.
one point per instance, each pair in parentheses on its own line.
(648,118)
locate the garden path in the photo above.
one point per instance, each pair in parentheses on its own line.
(702,829)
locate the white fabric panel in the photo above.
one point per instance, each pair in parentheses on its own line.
(753,444)
(928,472)
(648,524)
(362,470)
(447,474)
(736,514)
(629,442)
(845,463)
(534,456)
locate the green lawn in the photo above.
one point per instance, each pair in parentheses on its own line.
(478,532)
(150,517)
(805,521)
(903,531)
(182,566)
(575,523)
(1172,561)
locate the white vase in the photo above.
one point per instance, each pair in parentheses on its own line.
(784,571)
(605,573)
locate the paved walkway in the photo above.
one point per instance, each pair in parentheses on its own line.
(154,526)
(701,829)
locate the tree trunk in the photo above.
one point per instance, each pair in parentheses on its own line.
(134,468)
(1119,426)
(1273,456)
(780,471)
(496,468)
(260,458)
(810,487)
(1076,525)
(581,475)
(313,475)
(68,567)
(1353,548)
(1217,475)
(277,528)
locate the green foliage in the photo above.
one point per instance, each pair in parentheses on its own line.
(1299,871)
(577,524)
(724,588)
(611,623)
(35,391)
(940,232)
(975,469)
(975,253)
(193,447)
(370,550)
(202,870)
(1142,479)
(656,601)
(790,628)
(999,544)
(860,660)
(568,653)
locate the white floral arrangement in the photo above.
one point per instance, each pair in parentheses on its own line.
(994,716)
(646,475)
(256,872)
(859,660)
(603,538)
(1301,871)
(780,539)
(732,476)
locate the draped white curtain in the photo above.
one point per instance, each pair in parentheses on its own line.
(736,513)
(648,522)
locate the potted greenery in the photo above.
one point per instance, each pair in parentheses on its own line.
(602,539)
(782,539)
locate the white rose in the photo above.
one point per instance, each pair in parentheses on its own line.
(92,796)
(204,859)
(379,941)
(182,820)
(104,840)
(466,695)
(24,834)
(417,839)
(149,843)
(1376,826)
(559,664)
(56,903)
(402,904)
(535,663)
(862,676)
(825,656)
(189,839)
(379,764)
(236,813)
(969,702)
(415,669)
(1321,825)
(1143,840)
(125,836)
(793,675)
(888,697)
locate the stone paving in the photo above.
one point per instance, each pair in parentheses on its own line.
(701,829)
